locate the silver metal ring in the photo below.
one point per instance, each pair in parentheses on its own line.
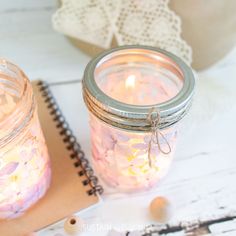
(134,117)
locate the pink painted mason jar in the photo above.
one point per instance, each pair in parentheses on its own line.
(24,161)
(136,96)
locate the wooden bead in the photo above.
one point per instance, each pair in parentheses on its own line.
(160,209)
(73,225)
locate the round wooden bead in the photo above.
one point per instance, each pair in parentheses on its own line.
(160,209)
(73,225)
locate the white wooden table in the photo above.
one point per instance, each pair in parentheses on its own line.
(202,181)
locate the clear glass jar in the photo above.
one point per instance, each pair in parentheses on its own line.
(24,162)
(136,96)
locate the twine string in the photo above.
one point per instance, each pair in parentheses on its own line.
(156,134)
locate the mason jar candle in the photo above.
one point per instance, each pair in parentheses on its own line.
(24,161)
(136,96)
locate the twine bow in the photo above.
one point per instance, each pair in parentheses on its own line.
(154,119)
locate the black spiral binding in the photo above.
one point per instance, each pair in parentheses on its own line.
(77,153)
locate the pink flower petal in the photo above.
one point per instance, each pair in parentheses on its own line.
(8,168)
(123,150)
(140,146)
(108,141)
(141,152)
(121,137)
(7,207)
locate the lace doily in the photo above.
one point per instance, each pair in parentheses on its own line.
(147,22)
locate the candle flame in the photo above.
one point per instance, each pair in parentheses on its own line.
(130,81)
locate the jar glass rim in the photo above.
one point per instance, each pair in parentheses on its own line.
(184,93)
(9,66)
(18,119)
(112,106)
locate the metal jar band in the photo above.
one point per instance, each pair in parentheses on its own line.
(134,117)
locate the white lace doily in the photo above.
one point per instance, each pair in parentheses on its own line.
(147,22)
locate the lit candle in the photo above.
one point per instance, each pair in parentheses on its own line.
(136,96)
(130,88)
(24,162)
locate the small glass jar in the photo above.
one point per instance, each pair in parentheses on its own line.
(24,162)
(136,96)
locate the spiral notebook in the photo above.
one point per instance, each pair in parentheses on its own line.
(74,186)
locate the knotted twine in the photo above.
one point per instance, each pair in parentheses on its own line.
(154,119)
